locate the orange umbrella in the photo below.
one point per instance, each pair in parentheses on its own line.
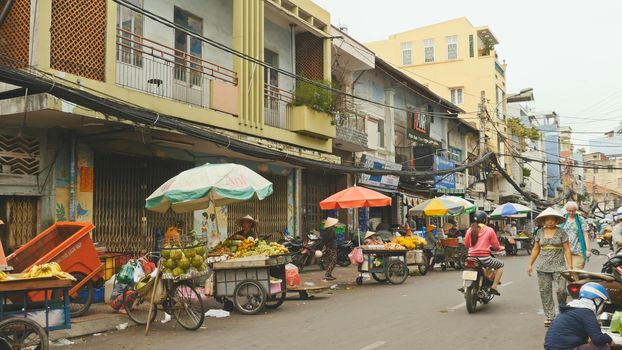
(355,197)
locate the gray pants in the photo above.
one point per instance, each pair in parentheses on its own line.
(545,282)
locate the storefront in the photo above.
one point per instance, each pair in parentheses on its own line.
(380,217)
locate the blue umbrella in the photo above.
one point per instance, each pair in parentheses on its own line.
(509,210)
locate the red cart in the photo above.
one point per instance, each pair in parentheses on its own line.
(70,245)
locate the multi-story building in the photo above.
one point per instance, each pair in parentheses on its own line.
(603,171)
(458,60)
(198,63)
(569,180)
(604,200)
(548,124)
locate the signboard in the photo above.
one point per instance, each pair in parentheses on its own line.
(418,125)
(386,181)
(446,181)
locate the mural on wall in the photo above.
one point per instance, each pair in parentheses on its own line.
(210,226)
(84,184)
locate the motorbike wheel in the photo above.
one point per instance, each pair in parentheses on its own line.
(423,268)
(470,297)
(601,244)
(343,260)
(300,260)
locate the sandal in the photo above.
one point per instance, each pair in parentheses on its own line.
(547,323)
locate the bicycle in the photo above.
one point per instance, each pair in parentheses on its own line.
(176,297)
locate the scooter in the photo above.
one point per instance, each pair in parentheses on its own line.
(610,277)
(477,283)
(310,249)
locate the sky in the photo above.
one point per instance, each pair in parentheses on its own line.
(571,55)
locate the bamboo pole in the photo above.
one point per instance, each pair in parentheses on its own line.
(151,305)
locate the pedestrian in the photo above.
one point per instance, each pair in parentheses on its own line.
(616,237)
(577,326)
(576,229)
(552,252)
(329,240)
(430,244)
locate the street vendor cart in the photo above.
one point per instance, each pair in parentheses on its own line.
(252,283)
(24,324)
(385,265)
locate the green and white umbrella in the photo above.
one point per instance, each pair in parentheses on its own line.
(468,206)
(220,184)
(510,210)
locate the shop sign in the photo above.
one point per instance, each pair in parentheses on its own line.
(386,181)
(418,125)
(446,181)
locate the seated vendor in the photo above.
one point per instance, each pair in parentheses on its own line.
(371,238)
(248,225)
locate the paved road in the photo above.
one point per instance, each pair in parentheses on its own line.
(424,313)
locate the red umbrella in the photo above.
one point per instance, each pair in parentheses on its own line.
(355,197)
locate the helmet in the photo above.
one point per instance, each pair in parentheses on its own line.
(480,216)
(619,211)
(593,291)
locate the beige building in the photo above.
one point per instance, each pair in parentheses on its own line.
(608,173)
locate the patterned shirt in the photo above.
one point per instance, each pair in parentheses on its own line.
(551,258)
(572,230)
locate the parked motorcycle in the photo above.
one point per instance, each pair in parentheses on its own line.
(343,249)
(310,250)
(610,277)
(477,283)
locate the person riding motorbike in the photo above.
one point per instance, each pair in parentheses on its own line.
(616,237)
(577,327)
(479,239)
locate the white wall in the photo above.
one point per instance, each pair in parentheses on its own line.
(278,40)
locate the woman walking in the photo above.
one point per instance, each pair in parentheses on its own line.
(577,231)
(552,252)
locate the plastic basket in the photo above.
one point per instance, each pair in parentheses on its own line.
(449,242)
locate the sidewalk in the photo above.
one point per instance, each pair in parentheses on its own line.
(101,318)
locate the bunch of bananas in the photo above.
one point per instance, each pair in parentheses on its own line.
(3,276)
(47,270)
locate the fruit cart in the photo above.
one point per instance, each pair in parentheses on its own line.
(385,265)
(252,283)
(70,245)
(24,324)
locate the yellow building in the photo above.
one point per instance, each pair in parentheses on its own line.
(67,161)
(454,59)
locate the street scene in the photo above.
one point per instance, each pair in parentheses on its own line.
(288,174)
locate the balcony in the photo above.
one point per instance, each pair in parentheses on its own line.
(156,69)
(499,68)
(351,135)
(277,107)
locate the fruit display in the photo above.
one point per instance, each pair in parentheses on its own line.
(393,246)
(3,276)
(252,248)
(47,270)
(410,242)
(183,261)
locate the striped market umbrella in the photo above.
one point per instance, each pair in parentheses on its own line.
(220,184)
(468,206)
(438,206)
(509,210)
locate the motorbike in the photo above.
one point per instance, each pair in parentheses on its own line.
(309,250)
(477,283)
(343,249)
(610,277)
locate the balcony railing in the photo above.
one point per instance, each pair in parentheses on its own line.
(156,69)
(277,107)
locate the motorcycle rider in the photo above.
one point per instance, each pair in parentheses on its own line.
(577,327)
(616,237)
(479,239)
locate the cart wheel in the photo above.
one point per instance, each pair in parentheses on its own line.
(359,280)
(249,297)
(423,268)
(22,333)
(379,277)
(137,307)
(187,306)
(304,295)
(443,267)
(81,303)
(397,272)
(275,300)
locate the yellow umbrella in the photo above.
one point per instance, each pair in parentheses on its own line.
(437,207)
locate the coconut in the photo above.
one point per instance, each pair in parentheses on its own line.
(197,261)
(189,253)
(184,263)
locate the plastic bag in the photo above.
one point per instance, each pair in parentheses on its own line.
(139,273)
(616,322)
(356,255)
(292,277)
(126,275)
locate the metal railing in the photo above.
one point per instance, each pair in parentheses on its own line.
(277,107)
(350,119)
(157,69)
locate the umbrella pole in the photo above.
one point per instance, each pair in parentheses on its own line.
(216,217)
(358,233)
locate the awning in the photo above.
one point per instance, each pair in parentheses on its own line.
(379,189)
(410,200)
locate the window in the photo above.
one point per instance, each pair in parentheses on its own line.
(428,50)
(381,133)
(271,77)
(452,47)
(500,99)
(190,49)
(407,54)
(456,96)
(372,132)
(130,29)
(471,46)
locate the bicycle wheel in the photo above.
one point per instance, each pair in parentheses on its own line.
(22,333)
(137,307)
(187,306)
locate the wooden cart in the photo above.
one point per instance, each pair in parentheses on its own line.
(250,284)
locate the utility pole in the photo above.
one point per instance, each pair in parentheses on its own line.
(482,122)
